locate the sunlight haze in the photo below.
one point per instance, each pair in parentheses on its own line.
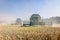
(12,9)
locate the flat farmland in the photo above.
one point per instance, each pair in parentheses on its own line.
(15,32)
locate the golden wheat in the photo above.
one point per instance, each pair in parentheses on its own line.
(14,32)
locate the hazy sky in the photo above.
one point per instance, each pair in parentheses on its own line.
(12,9)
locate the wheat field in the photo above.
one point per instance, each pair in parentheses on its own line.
(13,32)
